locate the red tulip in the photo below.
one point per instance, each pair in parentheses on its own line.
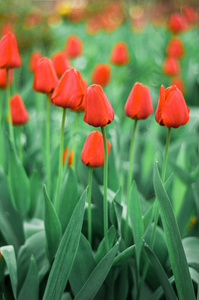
(98,110)
(179,83)
(82,105)
(3,78)
(18,110)
(171,66)
(190,14)
(73,46)
(45,78)
(34,58)
(172,110)
(175,48)
(139,105)
(176,23)
(93,150)
(60,63)
(119,54)
(101,74)
(9,54)
(70,156)
(69,92)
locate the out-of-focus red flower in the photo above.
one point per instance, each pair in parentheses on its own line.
(176,23)
(82,105)
(19,112)
(45,77)
(70,156)
(175,48)
(171,66)
(69,92)
(34,58)
(73,46)
(3,78)
(179,83)
(32,19)
(101,74)
(6,28)
(119,54)
(93,150)
(172,110)
(60,63)
(139,105)
(9,54)
(93,25)
(190,14)
(98,110)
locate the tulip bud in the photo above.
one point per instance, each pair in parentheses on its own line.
(101,74)
(73,46)
(34,58)
(119,54)
(3,78)
(19,112)
(60,63)
(171,67)
(9,54)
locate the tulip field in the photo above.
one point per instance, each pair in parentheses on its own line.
(99,151)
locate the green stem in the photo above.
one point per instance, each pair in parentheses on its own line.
(20,148)
(9,109)
(156,204)
(75,138)
(89,206)
(105,188)
(48,165)
(57,195)
(1,104)
(130,178)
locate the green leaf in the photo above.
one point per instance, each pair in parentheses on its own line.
(35,185)
(175,248)
(19,182)
(52,226)
(116,210)
(168,290)
(136,221)
(68,198)
(8,254)
(101,250)
(97,277)
(10,221)
(66,253)
(83,265)
(30,288)
(191,248)
(124,255)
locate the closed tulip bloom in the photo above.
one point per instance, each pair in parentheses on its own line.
(69,92)
(3,78)
(70,156)
(98,110)
(171,66)
(81,107)
(73,46)
(45,77)
(93,150)
(19,112)
(175,48)
(60,63)
(179,83)
(172,110)
(101,74)
(190,14)
(139,105)
(9,53)
(119,54)
(176,23)
(34,58)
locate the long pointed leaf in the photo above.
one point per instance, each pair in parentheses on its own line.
(175,248)
(66,253)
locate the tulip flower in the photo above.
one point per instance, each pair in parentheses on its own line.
(176,23)
(179,83)
(70,156)
(93,156)
(139,105)
(9,54)
(171,66)
(60,63)
(3,78)
(45,77)
(73,46)
(101,74)
(172,110)
(19,112)
(98,110)
(119,54)
(69,92)
(81,107)
(34,58)
(175,48)
(190,14)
